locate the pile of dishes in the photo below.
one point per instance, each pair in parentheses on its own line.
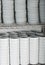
(16,11)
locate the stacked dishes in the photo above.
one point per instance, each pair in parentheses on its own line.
(33,11)
(34,50)
(14,49)
(42,11)
(4,49)
(42,50)
(8,13)
(24,49)
(20,8)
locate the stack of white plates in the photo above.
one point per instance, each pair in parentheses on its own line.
(24,48)
(20,7)
(42,50)
(33,11)
(34,50)
(42,11)
(14,49)
(4,50)
(0,11)
(8,13)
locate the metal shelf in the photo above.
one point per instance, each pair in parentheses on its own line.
(13,27)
